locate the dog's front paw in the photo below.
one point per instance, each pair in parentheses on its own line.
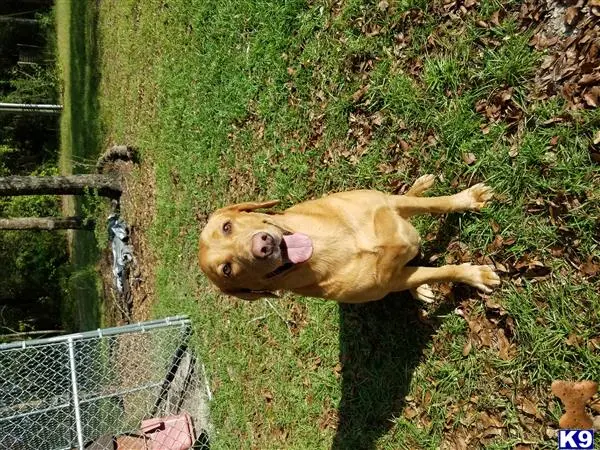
(477,196)
(481,277)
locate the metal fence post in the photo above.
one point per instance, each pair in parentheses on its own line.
(75,393)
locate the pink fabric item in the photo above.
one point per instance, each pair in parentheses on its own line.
(169,433)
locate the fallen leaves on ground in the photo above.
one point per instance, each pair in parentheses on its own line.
(454,8)
(298,319)
(360,132)
(571,66)
(591,267)
(474,429)
(329,418)
(500,107)
(491,332)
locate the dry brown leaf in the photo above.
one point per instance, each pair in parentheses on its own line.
(383,5)
(386,168)
(495,226)
(571,15)
(497,243)
(329,419)
(469,158)
(495,18)
(501,267)
(532,268)
(359,93)
(316,363)
(488,421)
(485,338)
(426,399)
(504,346)
(593,344)
(377,119)
(574,341)
(337,370)
(528,407)
(590,268)
(467,347)
(589,78)
(591,96)
(410,413)
(457,440)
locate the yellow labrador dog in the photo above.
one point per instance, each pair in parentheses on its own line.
(350,247)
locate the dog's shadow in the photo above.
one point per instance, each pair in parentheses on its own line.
(381,345)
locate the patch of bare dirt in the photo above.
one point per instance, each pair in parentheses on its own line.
(569,30)
(137,207)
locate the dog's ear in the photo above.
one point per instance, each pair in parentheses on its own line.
(250,295)
(249,206)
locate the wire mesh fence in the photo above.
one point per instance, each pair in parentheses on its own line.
(132,387)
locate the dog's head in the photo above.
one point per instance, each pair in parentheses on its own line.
(244,251)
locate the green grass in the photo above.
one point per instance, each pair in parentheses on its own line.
(231,101)
(79,148)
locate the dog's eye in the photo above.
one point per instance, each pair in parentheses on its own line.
(227,227)
(226,269)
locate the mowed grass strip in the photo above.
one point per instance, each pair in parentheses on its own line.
(232,101)
(79,148)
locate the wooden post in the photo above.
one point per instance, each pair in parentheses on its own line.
(104,185)
(45,223)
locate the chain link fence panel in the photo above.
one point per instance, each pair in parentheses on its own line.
(133,387)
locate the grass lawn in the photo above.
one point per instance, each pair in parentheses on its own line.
(231,101)
(79,148)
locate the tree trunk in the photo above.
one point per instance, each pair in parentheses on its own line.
(45,223)
(104,185)
(18,20)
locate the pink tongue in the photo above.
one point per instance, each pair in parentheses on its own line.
(299,247)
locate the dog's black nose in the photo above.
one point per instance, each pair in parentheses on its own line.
(263,245)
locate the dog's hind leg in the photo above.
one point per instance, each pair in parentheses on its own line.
(481,277)
(421,185)
(472,199)
(423,293)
